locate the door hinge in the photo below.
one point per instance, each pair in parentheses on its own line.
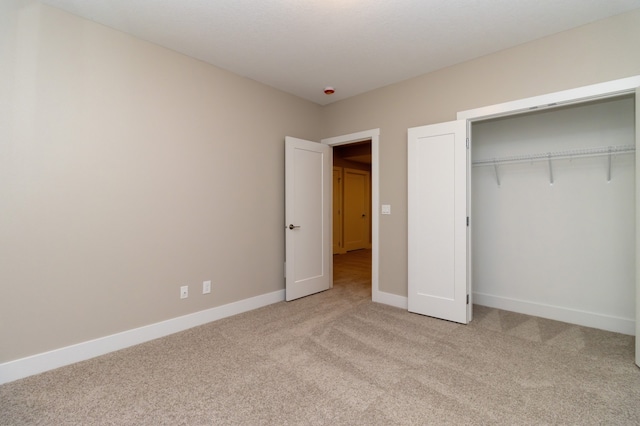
(285,269)
(467,220)
(467,143)
(467,299)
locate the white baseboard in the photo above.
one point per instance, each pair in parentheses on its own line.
(24,367)
(558,313)
(390,299)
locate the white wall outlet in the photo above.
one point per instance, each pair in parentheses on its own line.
(184,292)
(206,287)
(386,209)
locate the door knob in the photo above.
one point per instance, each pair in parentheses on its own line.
(292,226)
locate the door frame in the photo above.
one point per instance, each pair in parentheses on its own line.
(374,136)
(609,89)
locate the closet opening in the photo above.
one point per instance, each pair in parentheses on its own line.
(554,212)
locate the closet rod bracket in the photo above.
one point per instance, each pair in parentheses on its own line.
(609,169)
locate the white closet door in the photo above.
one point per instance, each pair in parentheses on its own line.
(437,221)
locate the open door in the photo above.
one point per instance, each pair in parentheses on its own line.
(308,180)
(437,221)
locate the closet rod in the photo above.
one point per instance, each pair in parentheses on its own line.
(576,153)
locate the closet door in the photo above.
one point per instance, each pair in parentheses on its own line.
(437,221)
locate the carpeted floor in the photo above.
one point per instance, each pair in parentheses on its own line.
(336,358)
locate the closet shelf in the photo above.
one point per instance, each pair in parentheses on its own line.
(576,153)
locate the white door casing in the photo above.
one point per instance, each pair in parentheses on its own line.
(308,183)
(437,221)
(637,228)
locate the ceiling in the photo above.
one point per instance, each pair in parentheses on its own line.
(301,46)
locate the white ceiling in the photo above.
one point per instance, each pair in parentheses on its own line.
(301,46)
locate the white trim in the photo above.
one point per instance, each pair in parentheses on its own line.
(565,97)
(637,229)
(558,313)
(391,299)
(24,367)
(374,135)
(352,138)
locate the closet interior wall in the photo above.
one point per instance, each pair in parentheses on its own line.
(564,250)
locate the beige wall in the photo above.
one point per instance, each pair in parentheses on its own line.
(602,51)
(120,177)
(120,181)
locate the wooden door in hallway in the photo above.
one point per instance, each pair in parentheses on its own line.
(356,209)
(337,210)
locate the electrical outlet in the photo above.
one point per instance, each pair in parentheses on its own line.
(206,287)
(184,292)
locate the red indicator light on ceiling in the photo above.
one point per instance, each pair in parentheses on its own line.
(329,90)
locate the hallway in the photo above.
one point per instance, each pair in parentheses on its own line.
(352,273)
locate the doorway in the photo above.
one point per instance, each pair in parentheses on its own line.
(554,233)
(352,217)
(366,140)
(629,85)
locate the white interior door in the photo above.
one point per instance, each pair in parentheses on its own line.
(308,180)
(437,221)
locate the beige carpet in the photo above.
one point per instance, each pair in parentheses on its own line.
(336,358)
